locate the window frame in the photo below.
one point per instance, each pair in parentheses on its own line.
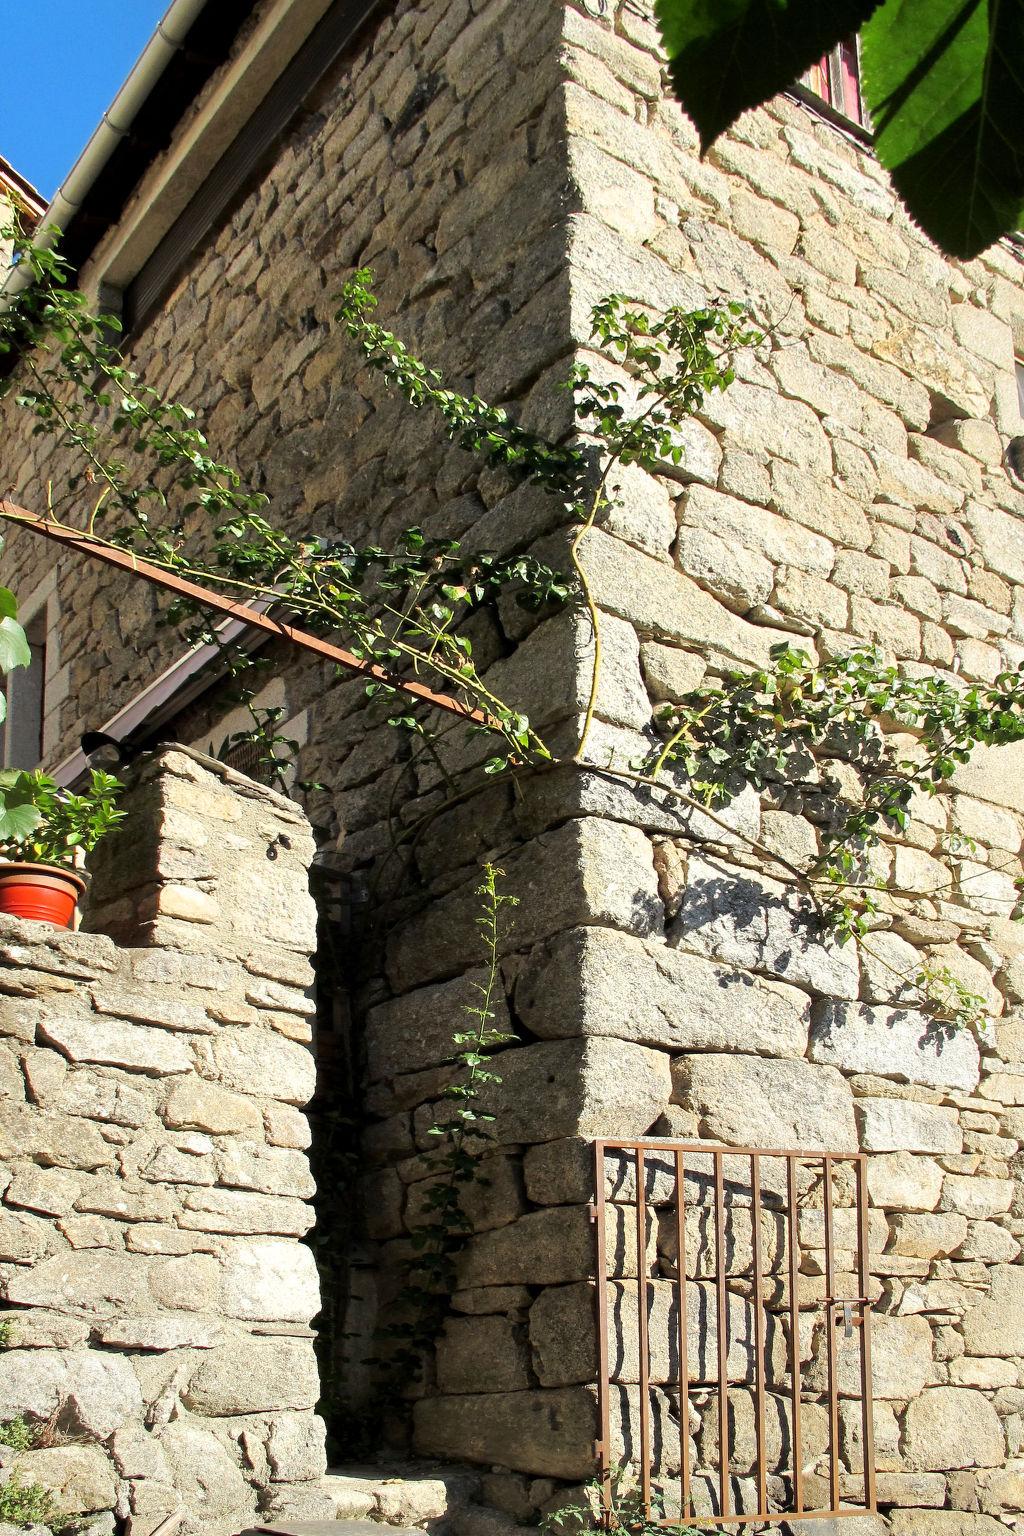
(25,690)
(838,72)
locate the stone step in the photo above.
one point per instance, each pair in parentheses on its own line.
(411,1495)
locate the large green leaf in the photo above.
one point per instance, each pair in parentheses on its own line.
(8,604)
(17,821)
(14,648)
(728,55)
(19,815)
(944,82)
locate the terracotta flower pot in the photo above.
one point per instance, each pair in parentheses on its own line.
(41,892)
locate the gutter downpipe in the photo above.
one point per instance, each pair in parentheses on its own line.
(115,124)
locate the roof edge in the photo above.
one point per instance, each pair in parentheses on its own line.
(168,37)
(21,184)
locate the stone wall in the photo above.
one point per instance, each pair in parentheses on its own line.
(848,488)
(157,1293)
(662,974)
(427,153)
(504,165)
(430,153)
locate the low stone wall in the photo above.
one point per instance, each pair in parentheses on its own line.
(155,1179)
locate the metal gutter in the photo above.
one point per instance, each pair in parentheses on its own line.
(114,126)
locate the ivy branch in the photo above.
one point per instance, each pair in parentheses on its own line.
(82,390)
(673,361)
(401,608)
(622,1505)
(773,726)
(431,1273)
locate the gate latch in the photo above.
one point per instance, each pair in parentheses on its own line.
(851,1319)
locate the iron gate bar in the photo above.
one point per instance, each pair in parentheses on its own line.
(808,1514)
(759,1427)
(645,1358)
(684,1374)
(830,1332)
(603,1446)
(864,1278)
(794,1332)
(721,1299)
(830,1306)
(708,1149)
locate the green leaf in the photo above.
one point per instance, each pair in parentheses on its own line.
(728,55)
(8,604)
(14,647)
(19,816)
(944,83)
(17,821)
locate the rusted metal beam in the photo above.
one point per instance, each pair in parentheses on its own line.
(124,560)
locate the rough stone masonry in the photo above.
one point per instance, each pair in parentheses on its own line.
(504,163)
(157,1292)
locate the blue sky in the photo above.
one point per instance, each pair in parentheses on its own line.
(64,62)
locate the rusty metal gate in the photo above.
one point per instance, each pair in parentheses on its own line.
(733,1332)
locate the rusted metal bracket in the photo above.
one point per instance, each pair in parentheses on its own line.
(124,560)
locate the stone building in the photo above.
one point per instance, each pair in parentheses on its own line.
(15,189)
(504,164)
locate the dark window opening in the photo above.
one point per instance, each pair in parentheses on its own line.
(253,759)
(21,734)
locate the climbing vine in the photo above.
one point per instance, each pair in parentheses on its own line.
(462,1137)
(401,608)
(404,608)
(861,738)
(784,725)
(623,1504)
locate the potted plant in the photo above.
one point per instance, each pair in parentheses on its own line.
(45,833)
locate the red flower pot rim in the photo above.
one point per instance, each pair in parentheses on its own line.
(14,867)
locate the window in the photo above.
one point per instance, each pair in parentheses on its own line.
(1013,457)
(21,734)
(836,80)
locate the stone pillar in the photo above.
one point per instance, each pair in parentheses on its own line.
(156,1185)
